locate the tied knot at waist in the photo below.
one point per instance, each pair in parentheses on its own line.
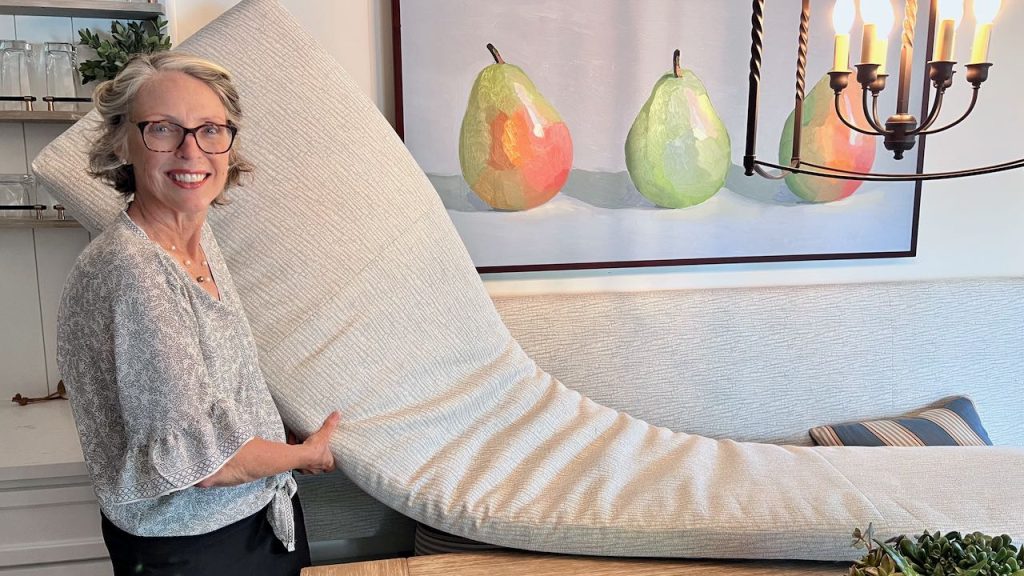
(281,514)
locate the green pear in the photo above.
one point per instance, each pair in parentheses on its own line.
(678,151)
(514,149)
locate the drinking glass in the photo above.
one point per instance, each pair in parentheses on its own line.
(16,190)
(61,73)
(15,64)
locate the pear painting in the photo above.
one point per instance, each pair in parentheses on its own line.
(826,140)
(514,149)
(678,151)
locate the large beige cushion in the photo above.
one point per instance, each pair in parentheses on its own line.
(363,299)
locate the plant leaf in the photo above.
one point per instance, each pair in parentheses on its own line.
(977,568)
(898,558)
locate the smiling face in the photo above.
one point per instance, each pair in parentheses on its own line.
(186,181)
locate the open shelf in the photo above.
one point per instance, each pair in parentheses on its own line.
(40,115)
(83,8)
(36,223)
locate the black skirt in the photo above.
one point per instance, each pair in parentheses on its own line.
(247,547)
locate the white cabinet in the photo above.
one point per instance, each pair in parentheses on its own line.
(49,517)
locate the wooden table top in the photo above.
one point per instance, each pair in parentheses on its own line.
(527,564)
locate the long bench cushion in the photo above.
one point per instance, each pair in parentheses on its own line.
(363,299)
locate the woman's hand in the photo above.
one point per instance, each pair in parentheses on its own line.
(320,458)
(260,458)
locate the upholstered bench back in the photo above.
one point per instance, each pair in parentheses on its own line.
(766,364)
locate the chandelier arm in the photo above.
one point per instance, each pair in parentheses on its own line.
(848,124)
(872,121)
(831,169)
(883,177)
(933,115)
(766,174)
(974,100)
(874,110)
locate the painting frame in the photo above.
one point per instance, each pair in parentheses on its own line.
(912,227)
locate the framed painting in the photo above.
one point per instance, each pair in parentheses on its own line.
(563,135)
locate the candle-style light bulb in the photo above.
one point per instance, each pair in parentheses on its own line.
(878,18)
(843,14)
(985,12)
(884,21)
(950,14)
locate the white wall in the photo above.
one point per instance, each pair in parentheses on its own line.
(968,228)
(356,32)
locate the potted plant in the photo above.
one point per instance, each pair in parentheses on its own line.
(935,554)
(125,41)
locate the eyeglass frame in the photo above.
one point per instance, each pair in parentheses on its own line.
(185,133)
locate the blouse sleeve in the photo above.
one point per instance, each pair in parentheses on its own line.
(180,426)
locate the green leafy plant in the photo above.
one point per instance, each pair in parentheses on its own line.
(125,41)
(935,554)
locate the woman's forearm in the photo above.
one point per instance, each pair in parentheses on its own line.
(258,458)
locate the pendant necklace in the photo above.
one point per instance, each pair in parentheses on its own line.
(188,266)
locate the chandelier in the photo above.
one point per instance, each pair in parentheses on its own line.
(901,131)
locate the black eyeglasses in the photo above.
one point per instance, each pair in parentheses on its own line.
(164,136)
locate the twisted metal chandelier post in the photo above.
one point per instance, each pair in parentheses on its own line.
(754,90)
(906,56)
(801,73)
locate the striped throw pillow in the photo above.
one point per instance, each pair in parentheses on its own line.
(952,423)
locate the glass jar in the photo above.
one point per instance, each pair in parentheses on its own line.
(16,190)
(61,73)
(15,65)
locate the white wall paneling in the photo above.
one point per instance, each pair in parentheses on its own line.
(6,26)
(12,148)
(22,364)
(56,250)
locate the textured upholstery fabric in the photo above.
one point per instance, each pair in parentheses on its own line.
(952,423)
(362,298)
(766,364)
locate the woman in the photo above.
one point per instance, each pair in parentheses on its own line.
(184,445)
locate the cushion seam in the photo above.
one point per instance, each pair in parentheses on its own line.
(857,489)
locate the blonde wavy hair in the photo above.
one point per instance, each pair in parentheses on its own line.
(114,99)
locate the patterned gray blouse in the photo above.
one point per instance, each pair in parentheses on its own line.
(165,388)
